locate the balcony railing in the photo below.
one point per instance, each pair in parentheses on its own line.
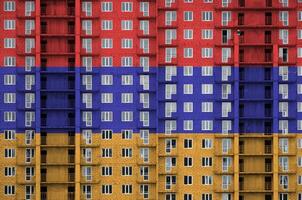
(43,140)
(43,177)
(241,185)
(43,195)
(71,195)
(71,140)
(241,149)
(241,167)
(71,158)
(268,167)
(268,149)
(71,177)
(43,159)
(268,186)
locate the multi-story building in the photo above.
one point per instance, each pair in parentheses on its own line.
(151,99)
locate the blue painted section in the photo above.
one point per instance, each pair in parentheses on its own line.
(59,107)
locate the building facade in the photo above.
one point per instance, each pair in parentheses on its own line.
(151,99)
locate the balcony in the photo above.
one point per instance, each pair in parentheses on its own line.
(71,177)
(43,195)
(71,196)
(43,159)
(267,149)
(43,177)
(268,186)
(268,167)
(71,158)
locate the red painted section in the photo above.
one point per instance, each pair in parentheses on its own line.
(64,44)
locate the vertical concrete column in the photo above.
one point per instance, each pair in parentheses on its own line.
(236,166)
(275,123)
(77,166)
(77,96)
(37,135)
(236,116)
(275,167)
(38,166)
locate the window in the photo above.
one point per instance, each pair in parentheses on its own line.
(283,17)
(188,52)
(299,34)
(87,27)
(206,88)
(127,189)
(9,6)
(127,43)
(188,106)
(188,125)
(87,63)
(299,15)
(127,134)
(188,161)
(207,52)
(207,34)
(29,7)
(126,171)
(188,180)
(206,161)
(188,34)
(206,71)
(9,24)
(9,190)
(106,153)
(107,25)
(106,79)
(87,45)
(188,88)
(9,79)
(107,98)
(226,17)
(106,171)
(188,197)
(9,171)
(29,26)
(127,80)
(126,152)
(207,197)
(207,16)
(188,143)
(188,70)
(9,97)
(9,61)
(127,6)
(106,116)
(206,143)
(87,8)
(107,189)
(106,61)
(144,8)
(9,134)
(106,134)
(127,61)
(9,153)
(188,16)
(206,180)
(9,43)
(206,125)
(207,107)
(107,43)
(9,116)
(106,7)
(127,116)
(299,52)
(127,25)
